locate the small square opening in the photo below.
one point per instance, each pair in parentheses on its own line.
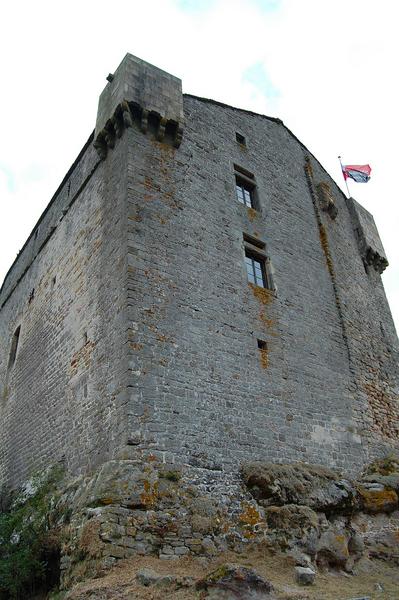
(263,354)
(240,139)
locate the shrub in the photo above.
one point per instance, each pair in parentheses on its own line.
(29,546)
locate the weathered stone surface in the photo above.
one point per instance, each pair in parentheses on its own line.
(378,499)
(386,465)
(390,482)
(234,582)
(312,485)
(119,482)
(293,526)
(379,534)
(147,577)
(305,575)
(332,548)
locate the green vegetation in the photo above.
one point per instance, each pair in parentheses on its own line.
(171,475)
(29,541)
(384,466)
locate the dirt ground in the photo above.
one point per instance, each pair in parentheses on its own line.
(375,579)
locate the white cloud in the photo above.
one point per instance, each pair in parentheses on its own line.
(332,62)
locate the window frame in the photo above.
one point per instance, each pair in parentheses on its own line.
(257,274)
(245,189)
(255,250)
(245,182)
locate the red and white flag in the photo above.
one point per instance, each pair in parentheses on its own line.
(359,173)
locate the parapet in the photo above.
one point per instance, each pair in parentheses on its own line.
(138,91)
(370,245)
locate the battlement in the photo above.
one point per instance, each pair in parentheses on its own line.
(138,91)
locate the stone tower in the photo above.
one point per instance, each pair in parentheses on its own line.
(198,289)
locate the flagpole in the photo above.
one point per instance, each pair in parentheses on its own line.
(342,170)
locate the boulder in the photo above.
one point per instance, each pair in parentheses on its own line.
(147,577)
(333,548)
(304,575)
(298,483)
(234,582)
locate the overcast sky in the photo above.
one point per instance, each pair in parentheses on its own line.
(327,68)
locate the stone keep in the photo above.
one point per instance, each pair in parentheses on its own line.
(128,325)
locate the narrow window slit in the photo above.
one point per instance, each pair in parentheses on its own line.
(14,347)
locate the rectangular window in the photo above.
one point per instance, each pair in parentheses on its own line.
(245,187)
(244,193)
(255,269)
(257,263)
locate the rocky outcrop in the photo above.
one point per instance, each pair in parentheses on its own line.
(317,516)
(314,486)
(144,507)
(234,582)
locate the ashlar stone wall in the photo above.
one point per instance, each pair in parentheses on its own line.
(63,398)
(201,392)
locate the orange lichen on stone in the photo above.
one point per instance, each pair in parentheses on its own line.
(150,495)
(264,295)
(151,458)
(135,346)
(165,149)
(82,358)
(150,184)
(265,320)
(106,501)
(378,501)
(252,213)
(264,358)
(249,518)
(326,249)
(309,168)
